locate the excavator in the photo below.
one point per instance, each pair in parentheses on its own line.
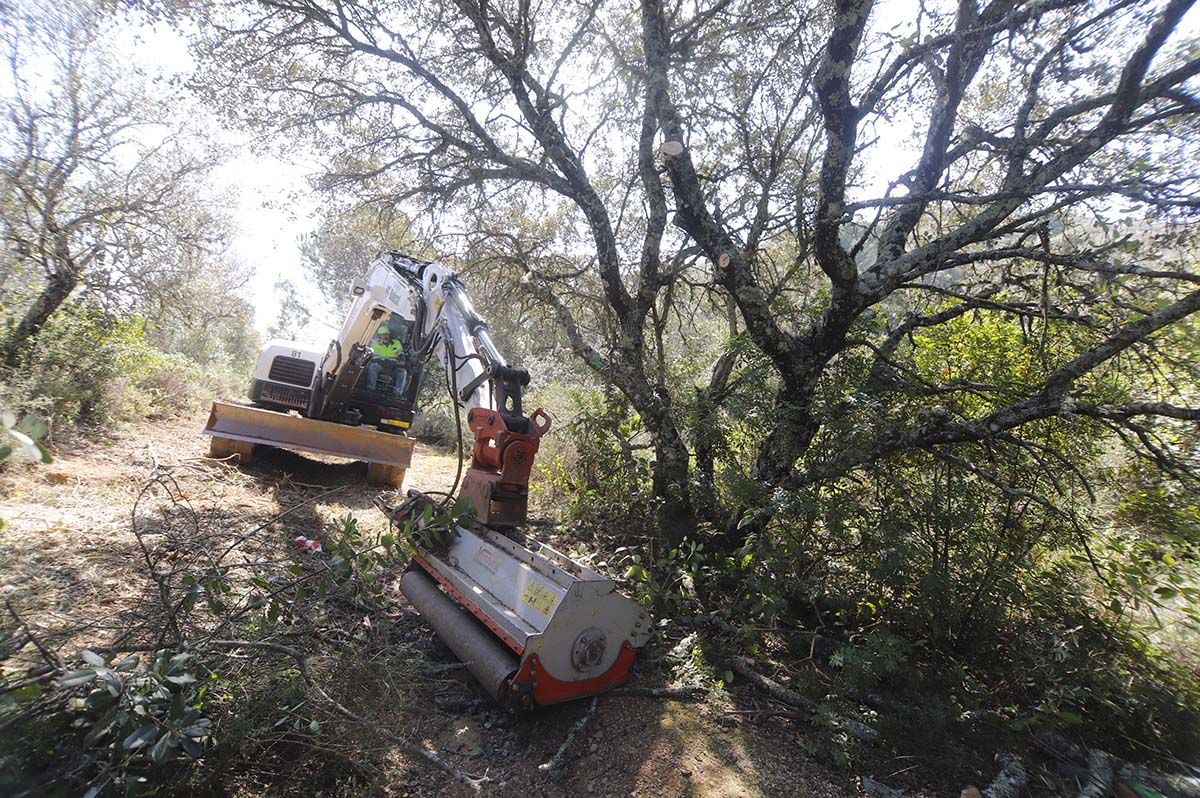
(533,626)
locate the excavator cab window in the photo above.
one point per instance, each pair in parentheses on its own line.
(386,374)
(401,330)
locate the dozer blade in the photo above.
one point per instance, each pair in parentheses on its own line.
(544,629)
(255,425)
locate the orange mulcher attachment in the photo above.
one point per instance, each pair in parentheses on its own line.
(497,483)
(532,625)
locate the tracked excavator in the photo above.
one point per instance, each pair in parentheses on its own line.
(533,626)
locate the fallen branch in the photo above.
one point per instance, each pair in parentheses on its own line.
(475,783)
(1182,786)
(791,714)
(1100,775)
(9,688)
(55,703)
(669,693)
(877,789)
(1060,748)
(1101,766)
(745,668)
(579,726)
(855,728)
(1010,781)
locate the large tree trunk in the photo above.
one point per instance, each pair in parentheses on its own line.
(706,436)
(675,517)
(53,295)
(789,438)
(670,477)
(706,502)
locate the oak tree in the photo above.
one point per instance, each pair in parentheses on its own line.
(828,183)
(97,190)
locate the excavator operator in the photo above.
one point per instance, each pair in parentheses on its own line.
(386,348)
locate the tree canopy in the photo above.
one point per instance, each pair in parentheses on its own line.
(98,189)
(833,185)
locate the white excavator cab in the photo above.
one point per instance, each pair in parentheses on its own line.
(349,382)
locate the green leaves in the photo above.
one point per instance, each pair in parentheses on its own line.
(92,658)
(76,678)
(352,562)
(140,737)
(24,436)
(463,508)
(143,716)
(435,529)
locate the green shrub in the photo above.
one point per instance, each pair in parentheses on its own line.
(1056,581)
(598,470)
(88,366)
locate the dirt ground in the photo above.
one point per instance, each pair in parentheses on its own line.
(68,557)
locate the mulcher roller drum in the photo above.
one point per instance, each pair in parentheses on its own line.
(485,657)
(532,625)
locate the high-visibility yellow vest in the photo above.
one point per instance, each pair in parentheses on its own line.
(387,350)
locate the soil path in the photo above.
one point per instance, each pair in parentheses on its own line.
(67,553)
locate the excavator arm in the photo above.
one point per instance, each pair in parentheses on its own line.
(490,391)
(532,625)
(429,302)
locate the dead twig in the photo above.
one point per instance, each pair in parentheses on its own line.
(770,713)
(667,693)
(54,703)
(279,517)
(433,670)
(50,658)
(745,668)
(557,760)
(9,688)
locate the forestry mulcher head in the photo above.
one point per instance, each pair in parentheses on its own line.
(533,626)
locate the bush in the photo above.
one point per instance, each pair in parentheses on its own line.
(88,366)
(598,470)
(1057,590)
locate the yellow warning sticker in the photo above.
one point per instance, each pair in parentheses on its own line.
(538,597)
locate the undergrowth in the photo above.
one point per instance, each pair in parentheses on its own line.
(91,367)
(920,583)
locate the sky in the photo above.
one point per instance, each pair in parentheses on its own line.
(272,201)
(270,198)
(273,209)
